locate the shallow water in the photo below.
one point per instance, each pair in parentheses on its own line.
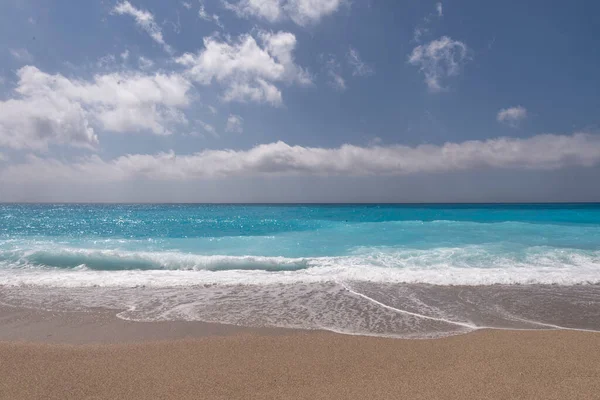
(394,270)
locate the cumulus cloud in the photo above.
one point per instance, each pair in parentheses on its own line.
(234,124)
(439,9)
(39,116)
(277,159)
(259,91)
(247,69)
(21,55)
(33,123)
(302,12)
(438,60)
(48,108)
(359,68)
(145,20)
(512,116)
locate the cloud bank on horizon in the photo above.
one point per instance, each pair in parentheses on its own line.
(544,152)
(247,88)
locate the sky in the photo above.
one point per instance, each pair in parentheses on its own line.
(299,101)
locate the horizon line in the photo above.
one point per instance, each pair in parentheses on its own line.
(302,203)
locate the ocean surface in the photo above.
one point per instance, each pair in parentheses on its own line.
(391,270)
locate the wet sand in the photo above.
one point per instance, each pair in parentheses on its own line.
(94,355)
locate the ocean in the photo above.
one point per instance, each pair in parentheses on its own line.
(413,271)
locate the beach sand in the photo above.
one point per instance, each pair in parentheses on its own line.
(96,356)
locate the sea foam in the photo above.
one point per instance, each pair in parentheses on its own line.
(388,270)
(472,265)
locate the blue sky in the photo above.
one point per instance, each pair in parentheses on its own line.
(299,100)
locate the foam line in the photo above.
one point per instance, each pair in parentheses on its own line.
(552,326)
(398,310)
(465,325)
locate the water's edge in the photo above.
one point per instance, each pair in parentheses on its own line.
(412,311)
(387,270)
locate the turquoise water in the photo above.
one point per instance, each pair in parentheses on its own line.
(310,266)
(537,243)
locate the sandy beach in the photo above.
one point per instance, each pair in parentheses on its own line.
(132,360)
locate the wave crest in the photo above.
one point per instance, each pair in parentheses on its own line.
(470,265)
(117,260)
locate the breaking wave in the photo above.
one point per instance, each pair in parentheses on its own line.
(469,265)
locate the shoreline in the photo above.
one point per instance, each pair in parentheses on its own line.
(411,311)
(96,355)
(103,327)
(99,326)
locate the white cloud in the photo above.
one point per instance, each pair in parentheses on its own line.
(208,128)
(259,91)
(332,67)
(337,81)
(125,55)
(217,21)
(21,55)
(186,5)
(49,108)
(422,28)
(234,124)
(359,68)
(544,152)
(145,20)
(106,61)
(270,10)
(145,63)
(419,32)
(438,60)
(302,12)
(39,116)
(246,70)
(205,16)
(512,116)
(35,122)
(213,110)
